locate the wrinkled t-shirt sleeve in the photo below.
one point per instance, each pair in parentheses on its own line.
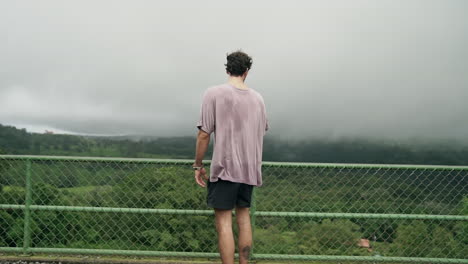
(206,122)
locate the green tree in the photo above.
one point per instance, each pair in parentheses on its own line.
(331,237)
(6,224)
(443,244)
(461,228)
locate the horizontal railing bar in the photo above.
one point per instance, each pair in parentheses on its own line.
(216,255)
(358,258)
(264,163)
(257,213)
(113,252)
(362,215)
(363,166)
(97,159)
(108,209)
(11,249)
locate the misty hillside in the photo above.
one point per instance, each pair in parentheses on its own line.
(19,141)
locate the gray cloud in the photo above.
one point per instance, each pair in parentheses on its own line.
(380,69)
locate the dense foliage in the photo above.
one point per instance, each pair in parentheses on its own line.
(166,186)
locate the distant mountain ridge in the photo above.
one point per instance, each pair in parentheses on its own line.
(19,141)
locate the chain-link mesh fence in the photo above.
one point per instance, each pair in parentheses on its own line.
(303,209)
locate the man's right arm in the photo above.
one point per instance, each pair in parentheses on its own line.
(205,125)
(203,140)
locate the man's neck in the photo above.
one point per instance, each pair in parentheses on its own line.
(237,81)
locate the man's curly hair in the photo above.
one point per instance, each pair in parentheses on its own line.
(238,62)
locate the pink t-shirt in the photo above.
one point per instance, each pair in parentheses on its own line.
(238,119)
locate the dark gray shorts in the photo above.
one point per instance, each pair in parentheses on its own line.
(226,195)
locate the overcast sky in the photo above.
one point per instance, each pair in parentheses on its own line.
(381,69)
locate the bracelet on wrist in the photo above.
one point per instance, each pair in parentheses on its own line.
(197,167)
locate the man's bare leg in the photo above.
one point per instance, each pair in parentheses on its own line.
(245,234)
(223,219)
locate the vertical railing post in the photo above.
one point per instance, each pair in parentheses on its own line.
(253,209)
(27,212)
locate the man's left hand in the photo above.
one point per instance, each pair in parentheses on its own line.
(200,177)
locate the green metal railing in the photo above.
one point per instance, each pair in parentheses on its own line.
(303,212)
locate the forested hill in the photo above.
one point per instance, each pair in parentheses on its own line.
(19,141)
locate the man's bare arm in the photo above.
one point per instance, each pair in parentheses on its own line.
(203,140)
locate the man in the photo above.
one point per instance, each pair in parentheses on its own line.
(237,115)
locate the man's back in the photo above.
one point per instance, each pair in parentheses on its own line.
(237,116)
(238,119)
